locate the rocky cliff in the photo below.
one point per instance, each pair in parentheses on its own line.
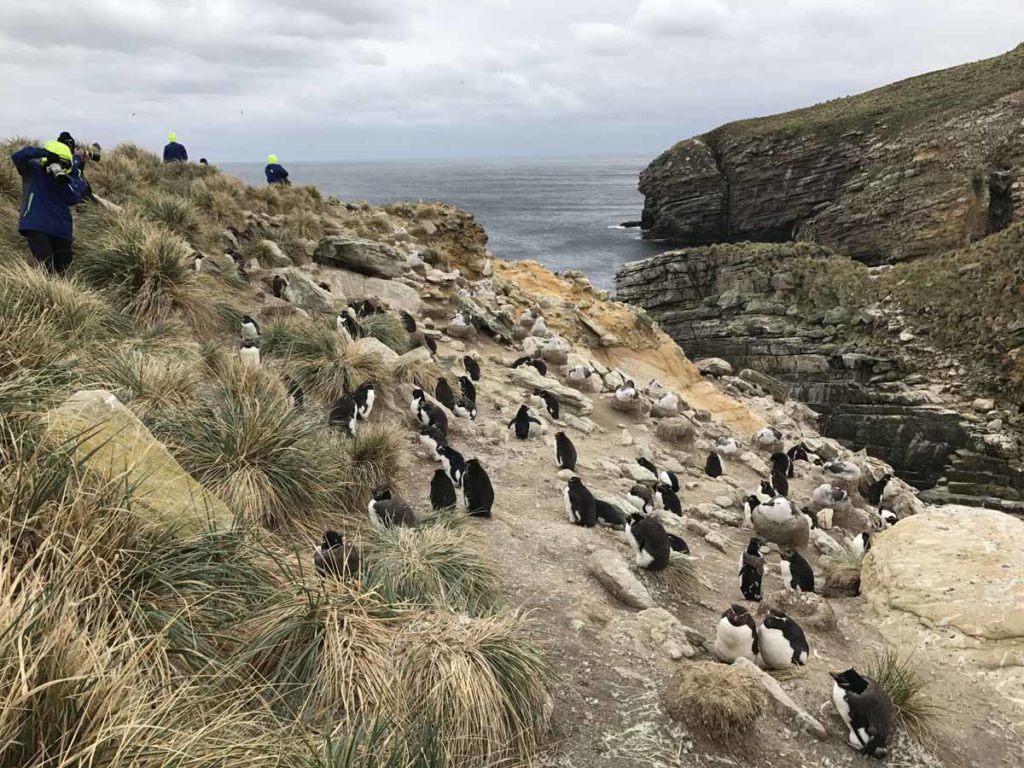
(923,165)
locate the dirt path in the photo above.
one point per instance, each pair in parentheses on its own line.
(607,711)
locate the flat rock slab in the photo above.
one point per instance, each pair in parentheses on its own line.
(112,442)
(353,285)
(781,700)
(570,399)
(364,256)
(957,566)
(614,574)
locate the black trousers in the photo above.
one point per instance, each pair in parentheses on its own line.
(53,253)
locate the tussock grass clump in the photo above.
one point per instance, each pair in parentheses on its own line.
(480,682)
(178,214)
(272,465)
(918,714)
(320,360)
(327,654)
(145,382)
(846,560)
(369,459)
(681,576)
(413,371)
(146,269)
(433,567)
(721,699)
(387,329)
(305,223)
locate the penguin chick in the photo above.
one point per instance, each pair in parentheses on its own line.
(336,557)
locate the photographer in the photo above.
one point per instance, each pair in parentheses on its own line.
(49,188)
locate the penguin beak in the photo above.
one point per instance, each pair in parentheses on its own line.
(834,676)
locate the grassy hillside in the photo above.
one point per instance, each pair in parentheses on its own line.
(121,644)
(900,105)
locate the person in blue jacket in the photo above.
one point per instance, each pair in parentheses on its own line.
(276,174)
(174,152)
(49,189)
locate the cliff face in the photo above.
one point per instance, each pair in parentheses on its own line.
(854,344)
(924,165)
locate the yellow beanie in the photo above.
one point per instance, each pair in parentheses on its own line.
(60,149)
(172,136)
(271,158)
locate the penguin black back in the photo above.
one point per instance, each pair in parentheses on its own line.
(453,462)
(565,452)
(652,544)
(335,557)
(648,465)
(801,575)
(608,514)
(580,504)
(443,393)
(780,463)
(477,488)
(472,368)
(550,402)
(522,421)
(752,570)
(780,482)
(877,489)
(434,417)
(408,321)
(343,413)
(669,500)
(278,286)
(713,466)
(540,366)
(442,491)
(467,387)
(870,713)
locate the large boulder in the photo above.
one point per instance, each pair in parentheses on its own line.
(811,611)
(611,571)
(714,366)
(110,441)
(678,430)
(354,286)
(367,257)
(791,532)
(377,347)
(955,567)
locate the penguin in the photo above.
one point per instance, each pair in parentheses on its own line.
(565,452)
(430,344)
(347,327)
(522,422)
(408,321)
(465,409)
(767,493)
(887,518)
(827,495)
(442,491)
(519,362)
(652,544)
(843,471)
(780,483)
(467,388)
(472,368)
(669,500)
(867,711)
(797,453)
(580,505)
(453,463)
(736,636)
(278,286)
(669,478)
(714,466)
(444,395)
(861,544)
(640,496)
(540,366)
(344,413)
(335,557)
(432,439)
(767,437)
(433,416)
(647,464)
(579,374)
(389,510)
(627,392)
(250,353)
(197,263)
(796,571)
(781,641)
(777,510)
(365,396)
(418,397)
(608,514)
(752,570)
(780,464)
(295,393)
(477,488)
(250,328)
(727,446)
(550,402)
(877,489)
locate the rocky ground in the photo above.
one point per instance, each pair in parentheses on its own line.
(615,659)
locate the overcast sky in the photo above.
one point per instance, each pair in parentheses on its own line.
(368,79)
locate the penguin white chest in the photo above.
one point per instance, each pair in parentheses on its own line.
(839,699)
(786,572)
(732,642)
(776,652)
(568,505)
(371,397)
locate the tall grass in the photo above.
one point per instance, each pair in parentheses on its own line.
(722,699)
(918,713)
(372,457)
(387,329)
(320,361)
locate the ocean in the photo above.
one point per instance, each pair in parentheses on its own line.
(566,214)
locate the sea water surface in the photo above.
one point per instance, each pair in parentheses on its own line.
(566,214)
